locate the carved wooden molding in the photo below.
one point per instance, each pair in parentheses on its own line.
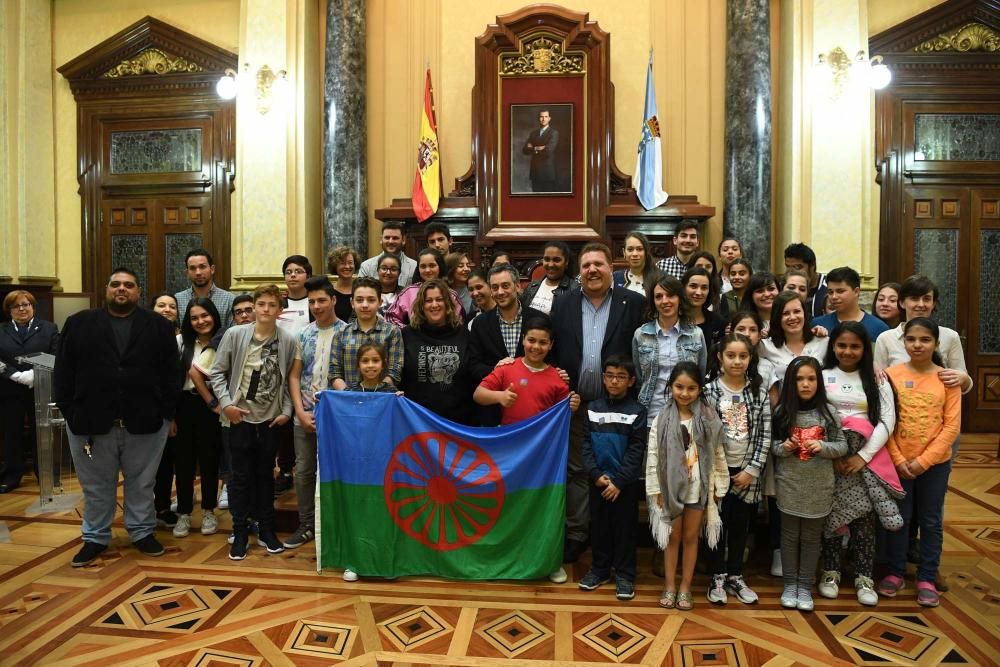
(970,37)
(542,55)
(152,61)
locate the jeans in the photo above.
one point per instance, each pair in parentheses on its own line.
(197,442)
(251,489)
(613,531)
(164,478)
(737,518)
(923,504)
(577,483)
(800,545)
(137,456)
(305,476)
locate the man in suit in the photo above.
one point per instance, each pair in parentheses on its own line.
(24,334)
(542,145)
(496,334)
(590,324)
(117,378)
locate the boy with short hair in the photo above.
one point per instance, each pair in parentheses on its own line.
(250,380)
(528,385)
(843,290)
(613,446)
(367,328)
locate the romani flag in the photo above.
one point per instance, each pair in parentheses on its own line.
(427,182)
(404,492)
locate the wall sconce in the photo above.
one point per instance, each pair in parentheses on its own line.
(839,70)
(267,85)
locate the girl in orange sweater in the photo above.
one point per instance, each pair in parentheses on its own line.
(929,420)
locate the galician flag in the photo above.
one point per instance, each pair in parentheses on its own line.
(404,492)
(649,161)
(427,182)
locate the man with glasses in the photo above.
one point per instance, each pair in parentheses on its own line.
(116,382)
(201,272)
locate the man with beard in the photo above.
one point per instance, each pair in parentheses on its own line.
(393,240)
(590,323)
(117,378)
(686,243)
(201,273)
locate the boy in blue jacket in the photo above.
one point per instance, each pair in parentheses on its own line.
(613,447)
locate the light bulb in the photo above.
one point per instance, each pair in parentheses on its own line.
(879,77)
(227,87)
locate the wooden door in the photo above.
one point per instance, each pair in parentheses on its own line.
(982,347)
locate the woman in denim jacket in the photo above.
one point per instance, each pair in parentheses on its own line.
(669,338)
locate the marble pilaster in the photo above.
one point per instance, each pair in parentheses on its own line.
(345,182)
(747,209)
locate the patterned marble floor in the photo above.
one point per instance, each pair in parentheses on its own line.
(194,607)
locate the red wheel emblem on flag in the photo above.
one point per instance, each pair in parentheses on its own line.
(442,491)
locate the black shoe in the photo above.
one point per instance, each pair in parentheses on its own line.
(271,542)
(7,488)
(149,546)
(624,589)
(573,550)
(166,519)
(283,483)
(238,550)
(88,553)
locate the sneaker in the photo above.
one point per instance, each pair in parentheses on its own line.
(804,600)
(890,585)
(829,586)
(865,589)
(252,529)
(717,591)
(299,537)
(238,550)
(149,546)
(270,541)
(166,519)
(88,553)
(350,575)
(624,589)
(559,576)
(776,563)
(736,586)
(283,483)
(927,594)
(790,597)
(209,523)
(592,581)
(224,498)
(183,527)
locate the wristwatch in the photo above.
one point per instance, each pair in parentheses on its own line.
(212,403)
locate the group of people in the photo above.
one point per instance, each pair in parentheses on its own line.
(697,383)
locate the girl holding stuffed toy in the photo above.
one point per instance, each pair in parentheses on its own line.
(686,478)
(807,438)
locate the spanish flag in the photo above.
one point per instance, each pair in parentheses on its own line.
(427,182)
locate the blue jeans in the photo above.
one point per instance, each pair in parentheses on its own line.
(925,499)
(137,456)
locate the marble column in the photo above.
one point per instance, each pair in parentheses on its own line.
(345,180)
(747,211)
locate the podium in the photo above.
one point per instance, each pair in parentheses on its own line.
(49,426)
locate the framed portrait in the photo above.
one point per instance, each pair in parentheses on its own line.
(541,144)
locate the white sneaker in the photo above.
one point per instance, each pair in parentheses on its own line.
(559,576)
(209,523)
(717,591)
(739,588)
(350,575)
(790,597)
(865,589)
(183,526)
(829,586)
(224,498)
(776,563)
(804,600)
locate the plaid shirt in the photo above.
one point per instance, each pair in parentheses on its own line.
(759,428)
(222,299)
(672,266)
(511,332)
(344,357)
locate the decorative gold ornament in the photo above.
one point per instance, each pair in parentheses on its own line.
(542,55)
(152,61)
(970,37)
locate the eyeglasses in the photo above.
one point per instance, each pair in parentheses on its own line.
(388,269)
(295,272)
(242,311)
(21,306)
(616,377)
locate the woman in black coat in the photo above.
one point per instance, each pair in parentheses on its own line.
(22,335)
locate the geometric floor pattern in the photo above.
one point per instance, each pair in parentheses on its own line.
(195,607)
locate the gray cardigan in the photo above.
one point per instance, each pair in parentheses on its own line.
(227,369)
(805,488)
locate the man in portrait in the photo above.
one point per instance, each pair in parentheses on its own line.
(542,145)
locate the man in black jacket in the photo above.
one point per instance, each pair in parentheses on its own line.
(116,381)
(496,334)
(589,325)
